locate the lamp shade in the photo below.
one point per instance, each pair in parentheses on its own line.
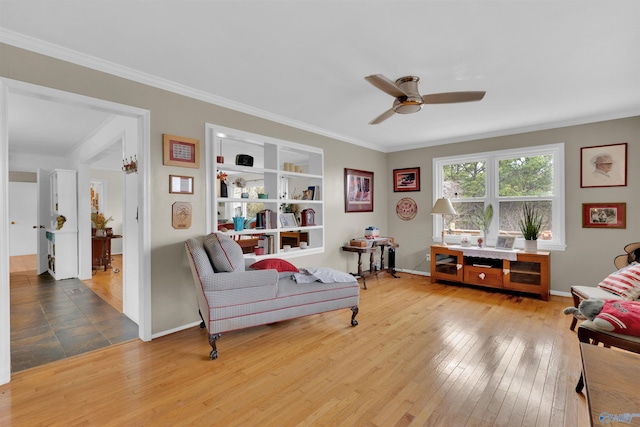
(443,206)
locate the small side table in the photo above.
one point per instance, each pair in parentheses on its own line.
(380,242)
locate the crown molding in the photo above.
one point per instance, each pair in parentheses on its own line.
(62,53)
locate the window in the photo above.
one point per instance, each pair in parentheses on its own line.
(505,180)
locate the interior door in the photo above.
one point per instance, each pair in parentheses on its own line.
(44,218)
(22,216)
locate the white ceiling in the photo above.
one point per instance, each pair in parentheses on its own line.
(543,64)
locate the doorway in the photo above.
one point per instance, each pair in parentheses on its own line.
(139,146)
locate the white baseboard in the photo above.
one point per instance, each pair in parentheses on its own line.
(174,330)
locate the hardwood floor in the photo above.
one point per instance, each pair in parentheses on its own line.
(423,355)
(108,284)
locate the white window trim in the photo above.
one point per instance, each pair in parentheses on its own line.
(492,158)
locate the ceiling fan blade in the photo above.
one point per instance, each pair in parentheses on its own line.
(451,97)
(385,85)
(382,117)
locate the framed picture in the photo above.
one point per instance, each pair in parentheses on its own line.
(406,179)
(288,220)
(505,242)
(180,151)
(180,184)
(358,191)
(604,215)
(603,166)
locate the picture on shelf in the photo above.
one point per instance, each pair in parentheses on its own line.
(505,242)
(288,220)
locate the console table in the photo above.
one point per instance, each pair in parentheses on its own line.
(381,242)
(494,268)
(101,252)
(611,380)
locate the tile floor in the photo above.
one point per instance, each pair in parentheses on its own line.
(54,319)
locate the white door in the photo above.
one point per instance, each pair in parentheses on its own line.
(23,218)
(44,218)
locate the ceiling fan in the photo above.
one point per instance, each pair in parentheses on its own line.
(408,99)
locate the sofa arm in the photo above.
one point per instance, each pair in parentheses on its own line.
(239,279)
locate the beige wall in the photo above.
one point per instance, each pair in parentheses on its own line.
(590,252)
(173,296)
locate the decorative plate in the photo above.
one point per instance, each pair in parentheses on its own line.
(407,208)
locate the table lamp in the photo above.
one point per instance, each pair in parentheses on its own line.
(443,207)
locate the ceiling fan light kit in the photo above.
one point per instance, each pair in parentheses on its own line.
(408,99)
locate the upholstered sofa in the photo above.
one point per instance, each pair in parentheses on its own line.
(232,296)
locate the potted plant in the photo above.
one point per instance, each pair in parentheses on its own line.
(482,219)
(530,225)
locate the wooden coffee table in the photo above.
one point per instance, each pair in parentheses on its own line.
(611,379)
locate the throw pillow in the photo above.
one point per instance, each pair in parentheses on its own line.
(224,252)
(621,317)
(274,263)
(624,283)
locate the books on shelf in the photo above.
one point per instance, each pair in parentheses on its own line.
(313,192)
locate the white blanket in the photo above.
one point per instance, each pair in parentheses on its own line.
(322,274)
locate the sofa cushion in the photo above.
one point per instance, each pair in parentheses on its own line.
(274,263)
(224,252)
(624,283)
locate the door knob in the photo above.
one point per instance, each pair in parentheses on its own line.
(35,226)
(13,222)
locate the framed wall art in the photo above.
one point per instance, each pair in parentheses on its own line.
(406,179)
(358,190)
(604,215)
(180,151)
(180,184)
(603,166)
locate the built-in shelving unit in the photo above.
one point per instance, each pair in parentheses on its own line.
(287,174)
(62,235)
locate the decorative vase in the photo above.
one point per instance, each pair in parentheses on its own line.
(531,246)
(101,232)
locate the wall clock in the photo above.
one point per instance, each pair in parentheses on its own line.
(407,208)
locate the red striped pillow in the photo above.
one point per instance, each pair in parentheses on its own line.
(624,283)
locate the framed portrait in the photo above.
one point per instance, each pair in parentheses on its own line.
(288,220)
(406,179)
(180,184)
(358,190)
(604,215)
(505,242)
(180,151)
(603,166)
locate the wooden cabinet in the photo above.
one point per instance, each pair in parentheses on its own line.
(446,264)
(528,272)
(62,235)
(285,174)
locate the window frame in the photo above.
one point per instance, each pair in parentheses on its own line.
(492,159)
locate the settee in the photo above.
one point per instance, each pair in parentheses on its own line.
(232,296)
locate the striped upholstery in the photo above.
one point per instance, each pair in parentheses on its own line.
(224,252)
(624,282)
(237,300)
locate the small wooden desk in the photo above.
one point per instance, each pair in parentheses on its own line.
(380,242)
(611,380)
(101,252)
